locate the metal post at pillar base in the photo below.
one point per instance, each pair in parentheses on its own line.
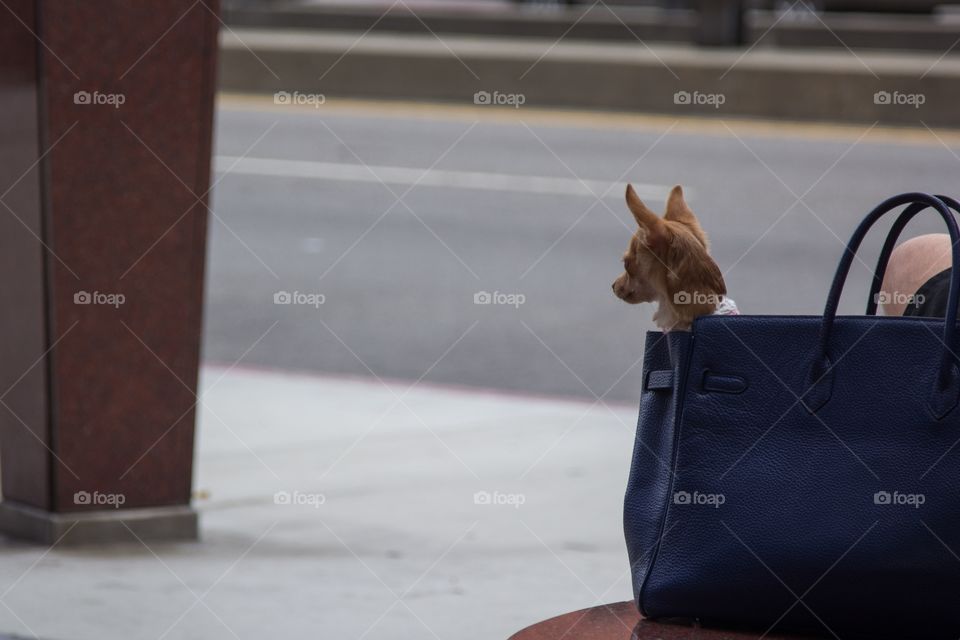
(174,523)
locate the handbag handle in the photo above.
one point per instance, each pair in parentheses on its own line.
(902,220)
(946,387)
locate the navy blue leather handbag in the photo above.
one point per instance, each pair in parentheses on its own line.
(803,473)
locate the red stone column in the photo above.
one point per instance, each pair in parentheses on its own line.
(104,169)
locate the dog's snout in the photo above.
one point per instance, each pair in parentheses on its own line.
(619,287)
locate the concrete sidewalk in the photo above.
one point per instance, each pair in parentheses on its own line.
(353,508)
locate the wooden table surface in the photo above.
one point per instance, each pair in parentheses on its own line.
(622,621)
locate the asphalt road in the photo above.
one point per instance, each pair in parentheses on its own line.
(396,217)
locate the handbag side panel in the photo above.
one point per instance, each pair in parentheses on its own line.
(651,469)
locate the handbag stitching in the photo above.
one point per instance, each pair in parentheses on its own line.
(675,454)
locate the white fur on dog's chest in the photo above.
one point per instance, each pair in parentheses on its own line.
(727,307)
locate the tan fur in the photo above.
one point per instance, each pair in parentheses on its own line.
(667,262)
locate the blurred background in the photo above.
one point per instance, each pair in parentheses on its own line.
(418,393)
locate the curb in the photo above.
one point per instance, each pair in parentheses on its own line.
(903,89)
(628,24)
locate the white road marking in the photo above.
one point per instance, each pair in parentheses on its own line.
(407,176)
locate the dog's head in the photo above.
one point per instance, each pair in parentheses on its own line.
(668,262)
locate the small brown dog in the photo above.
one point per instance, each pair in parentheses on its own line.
(667,262)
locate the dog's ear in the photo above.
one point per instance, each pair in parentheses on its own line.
(677,209)
(647,219)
